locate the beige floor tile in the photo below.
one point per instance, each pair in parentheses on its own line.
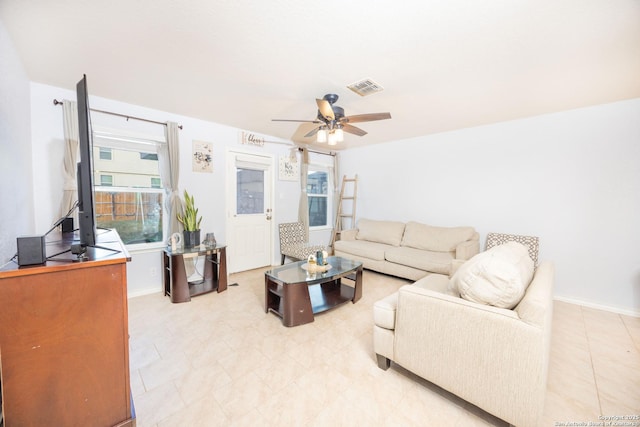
(242,395)
(136,384)
(290,406)
(200,411)
(633,326)
(157,404)
(562,407)
(163,371)
(221,360)
(198,383)
(322,383)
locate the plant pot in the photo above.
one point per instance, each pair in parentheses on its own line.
(191,238)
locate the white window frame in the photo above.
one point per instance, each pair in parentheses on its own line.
(123,140)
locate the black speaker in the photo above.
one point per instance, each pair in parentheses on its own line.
(67,225)
(31,250)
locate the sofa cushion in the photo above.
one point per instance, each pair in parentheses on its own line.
(435,262)
(497,277)
(440,239)
(362,248)
(388,232)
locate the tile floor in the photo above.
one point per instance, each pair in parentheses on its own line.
(220,360)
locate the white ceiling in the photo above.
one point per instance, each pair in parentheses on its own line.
(444,64)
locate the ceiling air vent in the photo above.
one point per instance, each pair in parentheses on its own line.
(365,87)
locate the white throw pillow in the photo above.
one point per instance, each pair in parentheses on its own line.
(498,277)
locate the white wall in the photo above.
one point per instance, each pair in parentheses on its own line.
(209,189)
(16,207)
(571,178)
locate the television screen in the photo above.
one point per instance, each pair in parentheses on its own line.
(86,208)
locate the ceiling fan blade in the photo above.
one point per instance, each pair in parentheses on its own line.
(354,130)
(303,129)
(312,132)
(298,121)
(359,118)
(325,109)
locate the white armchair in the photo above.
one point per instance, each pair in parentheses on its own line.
(494,358)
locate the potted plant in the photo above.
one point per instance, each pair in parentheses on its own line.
(190,221)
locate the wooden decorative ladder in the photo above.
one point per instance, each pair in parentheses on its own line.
(340,214)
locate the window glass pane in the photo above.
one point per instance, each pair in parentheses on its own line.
(129,195)
(106,180)
(317,191)
(317,182)
(105,153)
(149,156)
(317,211)
(137,215)
(250,191)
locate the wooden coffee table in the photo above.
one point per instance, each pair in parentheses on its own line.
(296,294)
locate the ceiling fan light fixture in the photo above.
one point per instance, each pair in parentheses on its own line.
(339,133)
(321,136)
(332,138)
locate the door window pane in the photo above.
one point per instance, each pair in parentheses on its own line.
(250,191)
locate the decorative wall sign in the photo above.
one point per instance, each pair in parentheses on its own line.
(288,170)
(202,157)
(251,139)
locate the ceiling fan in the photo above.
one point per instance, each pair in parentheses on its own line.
(333,122)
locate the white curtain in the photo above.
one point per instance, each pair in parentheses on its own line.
(335,170)
(169,165)
(70,161)
(303,208)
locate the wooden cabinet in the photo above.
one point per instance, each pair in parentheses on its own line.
(64,350)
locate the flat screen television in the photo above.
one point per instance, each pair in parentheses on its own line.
(84,178)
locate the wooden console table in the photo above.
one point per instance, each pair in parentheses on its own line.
(64,340)
(176,283)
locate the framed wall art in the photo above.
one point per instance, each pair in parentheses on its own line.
(288,169)
(202,156)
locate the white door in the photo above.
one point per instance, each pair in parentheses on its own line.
(250,199)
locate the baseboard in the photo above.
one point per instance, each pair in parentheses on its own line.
(142,292)
(616,310)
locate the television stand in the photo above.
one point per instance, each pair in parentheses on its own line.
(65,328)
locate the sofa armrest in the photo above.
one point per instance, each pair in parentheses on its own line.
(349,234)
(486,355)
(467,249)
(455,265)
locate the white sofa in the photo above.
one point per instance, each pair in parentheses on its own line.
(410,250)
(495,358)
